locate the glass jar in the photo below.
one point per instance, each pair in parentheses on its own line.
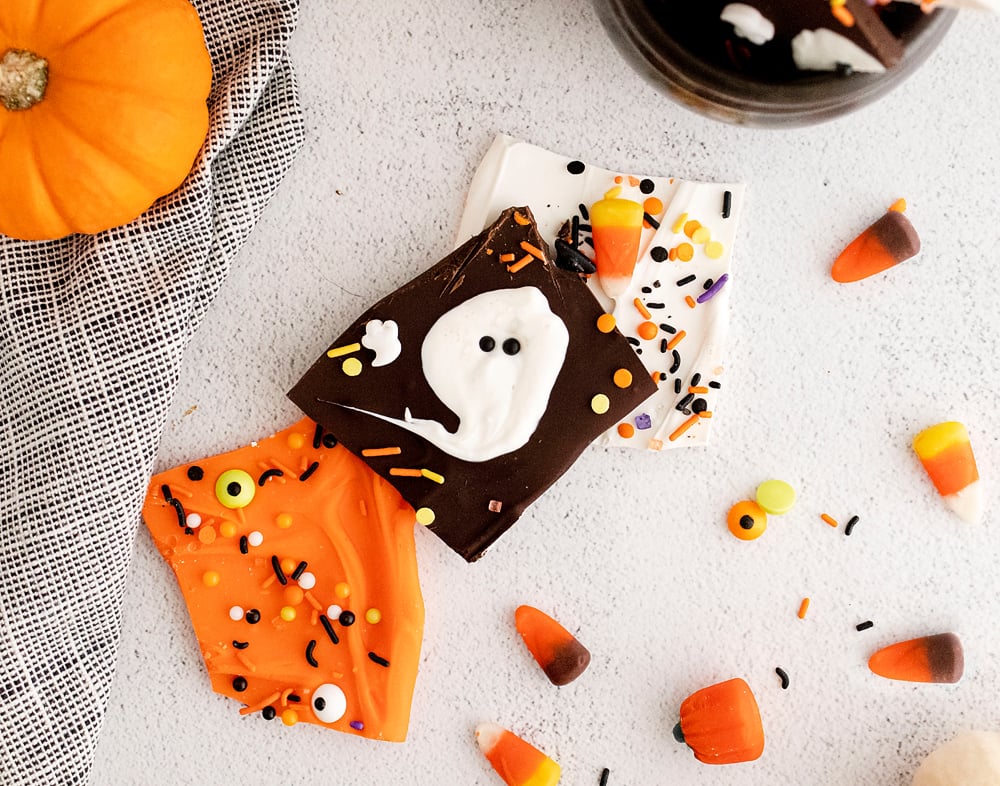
(726,94)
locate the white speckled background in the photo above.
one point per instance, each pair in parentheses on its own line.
(825,387)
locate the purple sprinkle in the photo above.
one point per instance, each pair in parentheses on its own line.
(643,421)
(357,725)
(713,290)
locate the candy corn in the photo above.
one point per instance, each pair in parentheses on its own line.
(889,241)
(946,453)
(937,658)
(556,650)
(616,225)
(519,763)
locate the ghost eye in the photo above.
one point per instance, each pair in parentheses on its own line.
(487,343)
(235,488)
(511,346)
(329,703)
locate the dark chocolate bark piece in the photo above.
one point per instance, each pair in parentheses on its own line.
(475,386)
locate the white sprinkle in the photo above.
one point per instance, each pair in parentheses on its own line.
(193,520)
(333,611)
(236,613)
(255,538)
(307,580)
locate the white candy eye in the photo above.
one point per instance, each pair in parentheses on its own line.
(329,703)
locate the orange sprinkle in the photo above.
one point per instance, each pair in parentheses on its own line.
(626,430)
(249,664)
(697,389)
(606,323)
(641,308)
(842,15)
(683,427)
(520,263)
(618,179)
(899,205)
(489,252)
(690,301)
(533,250)
(252,708)
(653,206)
(381,451)
(656,377)
(507,257)
(313,602)
(520,219)
(690,227)
(647,330)
(705,413)
(803,608)
(672,254)
(403,472)
(633,181)
(676,339)
(829,520)
(284,696)
(685,252)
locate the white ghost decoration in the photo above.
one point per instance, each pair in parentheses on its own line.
(493,361)
(383,339)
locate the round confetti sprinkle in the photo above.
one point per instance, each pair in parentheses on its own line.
(239,684)
(747,520)
(195,473)
(346,618)
(295,441)
(701,235)
(193,520)
(425,516)
(268,713)
(576,167)
(293,595)
(626,430)
(647,330)
(253,616)
(685,252)
(690,227)
(606,323)
(227,528)
(600,403)
(255,538)
(206,535)
(307,580)
(211,578)
(287,613)
(775,496)
(351,367)
(653,206)
(283,520)
(646,186)
(623,378)
(289,717)
(373,616)
(342,589)
(236,613)
(659,254)
(714,249)
(333,612)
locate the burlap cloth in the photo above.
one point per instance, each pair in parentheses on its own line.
(92,331)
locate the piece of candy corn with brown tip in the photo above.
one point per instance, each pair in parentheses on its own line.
(557,651)
(889,241)
(616,227)
(519,763)
(937,658)
(946,453)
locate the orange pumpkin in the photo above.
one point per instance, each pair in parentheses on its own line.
(721,724)
(102,110)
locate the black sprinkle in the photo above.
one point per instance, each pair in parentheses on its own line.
(663,345)
(663,375)
(268,713)
(267,474)
(294,697)
(647,290)
(605,772)
(318,436)
(699,405)
(695,379)
(329,441)
(727,204)
(346,618)
(685,402)
(646,185)
(850,525)
(715,384)
(669,328)
(378,659)
(864,625)
(188,531)
(576,167)
(276,565)
(658,253)
(584,213)
(239,684)
(574,232)
(677,385)
(633,341)
(844,69)
(686,280)
(586,228)
(568,258)
(253,616)
(589,241)
(310,658)
(179,510)
(655,305)
(708,284)
(638,351)
(244,545)
(165,491)
(309,471)
(784,677)
(651,221)
(241,645)
(299,570)
(676,364)
(656,283)
(329,629)
(195,473)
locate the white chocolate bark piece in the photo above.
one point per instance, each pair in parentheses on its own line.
(971,759)
(674,312)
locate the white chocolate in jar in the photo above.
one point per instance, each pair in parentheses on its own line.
(971,759)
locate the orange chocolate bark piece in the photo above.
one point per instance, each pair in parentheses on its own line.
(298,566)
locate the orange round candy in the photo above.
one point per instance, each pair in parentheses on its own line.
(648,330)
(606,323)
(747,520)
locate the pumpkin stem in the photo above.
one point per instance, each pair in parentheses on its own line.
(23,77)
(678,733)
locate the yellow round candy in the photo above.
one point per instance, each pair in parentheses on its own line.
(351,367)
(747,520)
(714,249)
(374,616)
(289,717)
(287,613)
(600,403)
(775,496)
(425,516)
(235,488)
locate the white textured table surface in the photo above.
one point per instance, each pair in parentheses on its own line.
(825,387)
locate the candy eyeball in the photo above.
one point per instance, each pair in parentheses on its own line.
(747,520)
(329,703)
(235,488)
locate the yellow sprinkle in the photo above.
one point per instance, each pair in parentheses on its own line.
(714,249)
(347,349)
(611,193)
(283,520)
(373,616)
(701,235)
(351,367)
(430,475)
(600,403)
(679,223)
(425,516)
(288,613)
